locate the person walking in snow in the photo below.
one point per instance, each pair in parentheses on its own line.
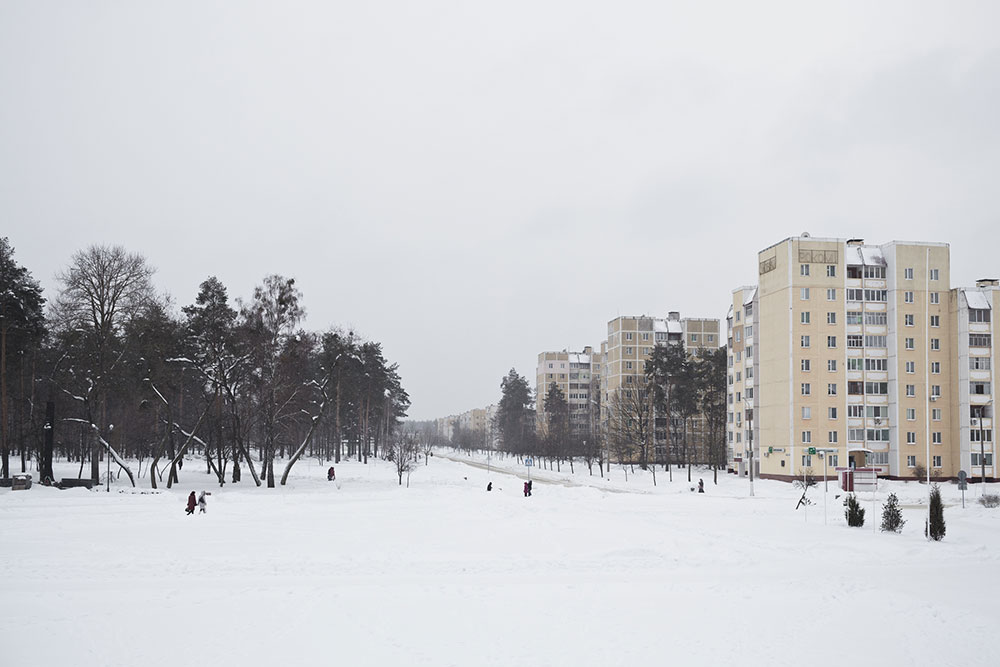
(529,487)
(202,503)
(191,503)
(331,474)
(489,487)
(525,489)
(701,486)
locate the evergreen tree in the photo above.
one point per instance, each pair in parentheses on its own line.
(854,513)
(557,422)
(937,527)
(513,413)
(892,516)
(22,325)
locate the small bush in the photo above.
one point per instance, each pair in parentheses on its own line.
(892,516)
(936,526)
(990,500)
(854,513)
(920,472)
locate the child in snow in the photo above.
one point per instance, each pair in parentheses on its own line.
(202,503)
(525,489)
(191,503)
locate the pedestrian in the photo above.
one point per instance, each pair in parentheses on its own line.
(529,487)
(191,503)
(701,486)
(202,503)
(525,489)
(331,474)
(489,487)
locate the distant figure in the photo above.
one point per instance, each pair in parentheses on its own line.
(526,490)
(331,474)
(191,503)
(202,503)
(489,487)
(529,487)
(701,486)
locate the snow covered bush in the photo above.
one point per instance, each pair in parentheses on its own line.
(990,500)
(854,513)
(892,516)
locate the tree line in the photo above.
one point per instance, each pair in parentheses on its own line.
(674,415)
(111,368)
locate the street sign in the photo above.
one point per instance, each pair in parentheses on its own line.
(812,450)
(528,461)
(963,483)
(770,450)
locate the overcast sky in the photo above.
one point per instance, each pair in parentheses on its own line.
(471,183)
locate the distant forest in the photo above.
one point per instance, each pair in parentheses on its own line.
(111,368)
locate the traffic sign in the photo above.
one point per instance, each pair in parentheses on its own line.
(812,450)
(528,461)
(963,483)
(770,450)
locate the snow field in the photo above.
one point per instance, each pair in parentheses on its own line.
(585,572)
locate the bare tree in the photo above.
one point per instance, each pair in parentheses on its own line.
(402,451)
(103,290)
(630,425)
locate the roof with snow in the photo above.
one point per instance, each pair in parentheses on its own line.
(977,299)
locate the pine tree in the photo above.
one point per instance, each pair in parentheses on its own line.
(854,513)
(892,516)
(937,515)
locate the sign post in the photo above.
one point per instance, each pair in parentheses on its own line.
(528,462)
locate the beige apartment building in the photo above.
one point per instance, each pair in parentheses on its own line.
(849,354)
(630,343)
(577,374)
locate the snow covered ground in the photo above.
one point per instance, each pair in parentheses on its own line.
(585,572)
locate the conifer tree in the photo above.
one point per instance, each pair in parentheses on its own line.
(892,516)
(937,515)
(854,513)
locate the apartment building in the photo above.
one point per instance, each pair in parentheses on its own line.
(630,343)
(577,374)
(852,354)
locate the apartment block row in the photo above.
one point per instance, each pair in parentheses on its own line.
(589,379)
(846,354)
(477,420)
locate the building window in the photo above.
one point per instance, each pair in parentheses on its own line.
(907,297)
(804,317)
(807,461)
(979,315)
(935,343)
(854,317)
(911,414)
(934,274)
(908,343)
(936,414)
(693,338)
(628,336)
(804,342)
(979,340)
(911,367)
(831,365)
(805,389)
(831,270)
(936,367)
(806,412)
(831,294)
(855,388)
(979,363)
(831,436)
(907,274)
(628,365)
(908,320)
(628,350)
(911,461)
(911,390)
(855,294)
(935,297)
(831,389)
(935,320)
(936,437)
(803,269)
(875,341)
(831,318)
(979,388)
(711,338)
(936,459)
(855,340)
(911,438)
(805,364)
(831,341)
(855,434)
(807,436)
(804,294)
(987,459)
(831,413)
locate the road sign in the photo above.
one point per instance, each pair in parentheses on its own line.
(770,450)
(528,461)
(963,483)
(812,450)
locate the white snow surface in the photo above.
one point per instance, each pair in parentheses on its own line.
(362,571)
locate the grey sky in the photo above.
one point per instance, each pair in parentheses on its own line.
(472,183)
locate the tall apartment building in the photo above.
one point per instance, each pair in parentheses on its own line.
(630,343)
(577,374)
(863,351)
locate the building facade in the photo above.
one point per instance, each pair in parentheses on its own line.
(854,355)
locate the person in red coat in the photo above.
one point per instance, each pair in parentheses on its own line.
(192,502)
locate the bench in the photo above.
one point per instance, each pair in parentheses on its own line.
(73,482)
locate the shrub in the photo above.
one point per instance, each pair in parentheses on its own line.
(920,472)
(854,513)
(892,516)
(936,527)
(990,500)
